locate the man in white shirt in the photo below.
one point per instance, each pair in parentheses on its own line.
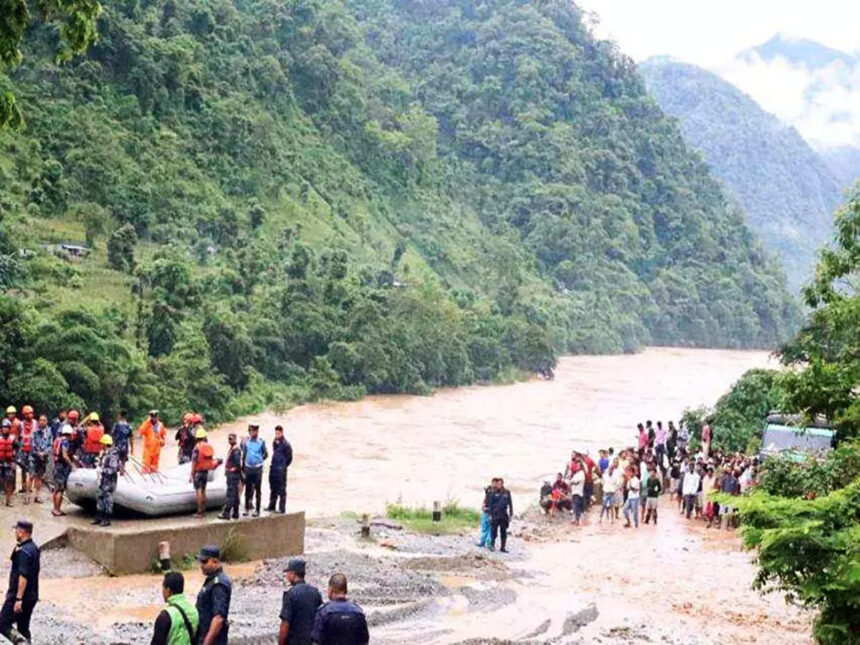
(632,503)
(577,490)
(612,479)
(690,490)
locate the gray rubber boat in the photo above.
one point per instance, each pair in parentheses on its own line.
(164,493)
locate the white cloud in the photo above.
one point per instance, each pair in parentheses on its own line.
(823,104)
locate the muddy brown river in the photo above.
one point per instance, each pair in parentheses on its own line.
(358,456)
(676,583)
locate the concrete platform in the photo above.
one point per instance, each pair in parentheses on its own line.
(133,546)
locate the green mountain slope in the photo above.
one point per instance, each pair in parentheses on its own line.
(316,198)
(787,190)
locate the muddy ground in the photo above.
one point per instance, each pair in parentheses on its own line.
(677,583)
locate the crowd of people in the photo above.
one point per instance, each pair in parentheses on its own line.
(304,618)
(46,452)
(630,483)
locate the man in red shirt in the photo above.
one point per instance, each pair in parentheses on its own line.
(590,467)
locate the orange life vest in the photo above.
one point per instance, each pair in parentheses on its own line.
(27,435)
(7,448)
(93,437)
(205,457)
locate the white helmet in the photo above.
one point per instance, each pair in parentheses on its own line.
(67,429)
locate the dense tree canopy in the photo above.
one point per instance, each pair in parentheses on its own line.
(321,198)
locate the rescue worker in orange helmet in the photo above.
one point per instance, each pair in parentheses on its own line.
(202,463)
(153,433)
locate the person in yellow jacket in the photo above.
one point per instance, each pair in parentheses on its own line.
(153,433)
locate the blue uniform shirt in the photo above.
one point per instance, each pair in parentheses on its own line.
(299,607)
(25,562)
(254,451)
(340,622)
(282,454)
(214,600)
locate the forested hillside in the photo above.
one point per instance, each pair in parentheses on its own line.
(311,199)
(786,188)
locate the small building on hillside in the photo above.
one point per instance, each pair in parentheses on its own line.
(790,435)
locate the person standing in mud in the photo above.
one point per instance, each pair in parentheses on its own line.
(282,457)
(501,510)
(23,592)
(213,601)
(110,466)
(7,460)
(233,470)
(632,503)
(299,606)
(39,456)
(254,454)
(63,466)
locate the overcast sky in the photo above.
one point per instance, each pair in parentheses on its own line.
(711,34)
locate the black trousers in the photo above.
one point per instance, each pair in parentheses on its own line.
(497,527)
(278,489)
(253,486)
(8,617)
(232,503)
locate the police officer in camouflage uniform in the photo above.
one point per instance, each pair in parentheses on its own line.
(110,466)
(213,601)
(233,470)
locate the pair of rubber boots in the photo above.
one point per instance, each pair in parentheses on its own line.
(101,520)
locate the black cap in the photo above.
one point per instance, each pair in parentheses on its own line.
(25,525)
(297,566)
(253,426)
(207,552)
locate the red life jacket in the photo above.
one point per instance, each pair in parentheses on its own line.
(7,448)
(205,460)
(93,437)
(27,435)
(57,449)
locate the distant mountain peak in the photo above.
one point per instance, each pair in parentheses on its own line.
(798,51)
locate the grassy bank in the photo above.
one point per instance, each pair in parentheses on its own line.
(454,518)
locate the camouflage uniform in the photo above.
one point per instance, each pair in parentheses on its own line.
(233,469)
(110,466)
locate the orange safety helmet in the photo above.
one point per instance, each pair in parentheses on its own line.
(197,418)
(73,415)
(27,409)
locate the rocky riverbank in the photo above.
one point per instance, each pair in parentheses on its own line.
(676,583)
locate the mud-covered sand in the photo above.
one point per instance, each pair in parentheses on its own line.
(676,583)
